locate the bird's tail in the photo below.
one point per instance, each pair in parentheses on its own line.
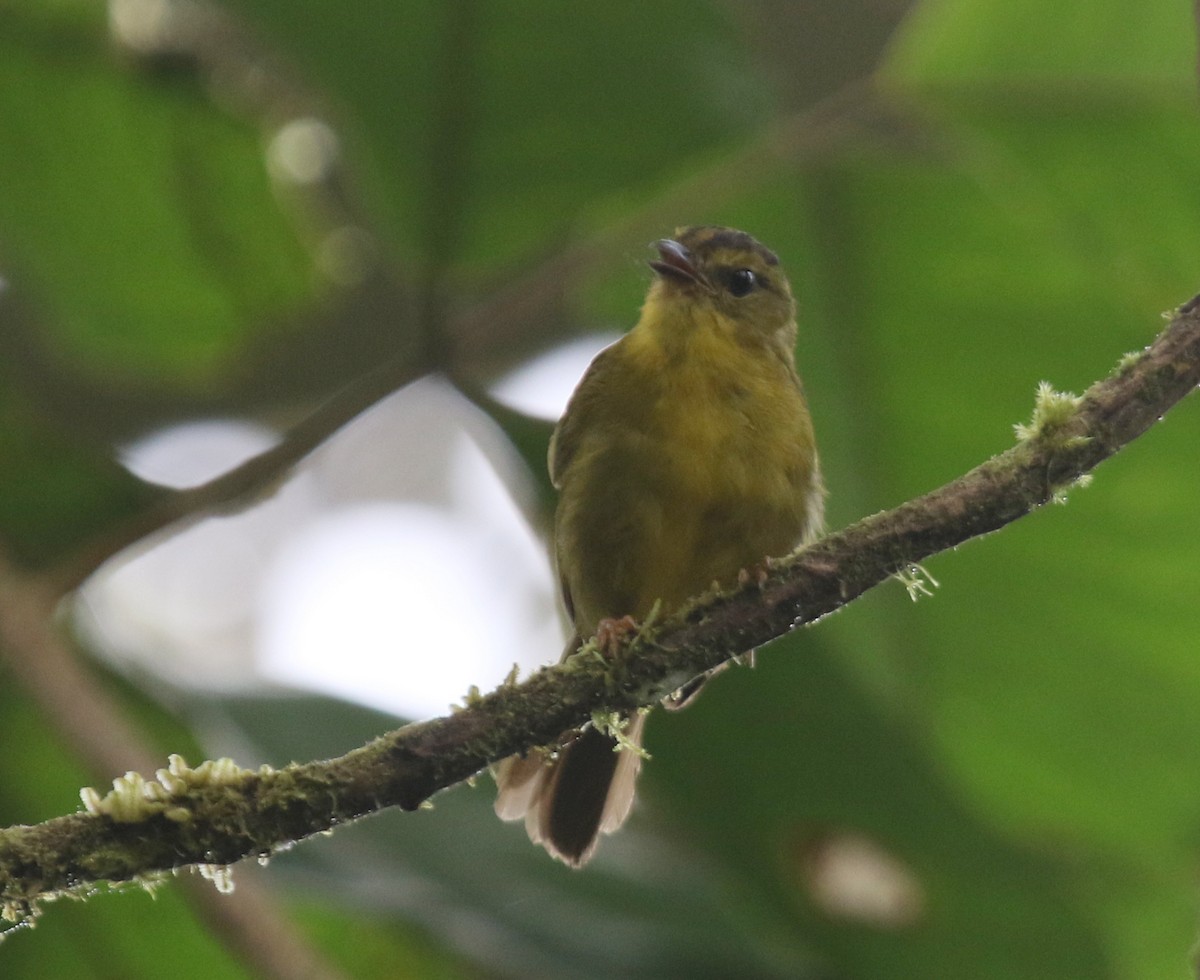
(569,799)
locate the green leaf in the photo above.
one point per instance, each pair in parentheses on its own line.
(1017,205)
(488,131)
(1068,47)
(136,212)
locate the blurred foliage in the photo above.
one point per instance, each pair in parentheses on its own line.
(1016,199)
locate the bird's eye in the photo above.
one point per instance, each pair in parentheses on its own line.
(742,282)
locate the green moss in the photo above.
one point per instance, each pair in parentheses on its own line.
(135,799)
(1052,412)
(917,580)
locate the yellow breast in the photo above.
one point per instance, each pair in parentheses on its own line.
(697,460)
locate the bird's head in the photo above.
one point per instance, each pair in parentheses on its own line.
(712,270)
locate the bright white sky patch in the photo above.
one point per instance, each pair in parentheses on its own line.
(196,452)
(541,387)
(383,604)
(394,568)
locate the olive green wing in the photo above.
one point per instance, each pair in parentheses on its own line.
(579,418)
(579,415)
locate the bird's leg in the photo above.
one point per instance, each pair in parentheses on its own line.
(611,633)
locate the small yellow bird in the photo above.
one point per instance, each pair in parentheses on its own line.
(685,456)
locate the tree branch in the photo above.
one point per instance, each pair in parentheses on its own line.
(219,813)
(95,728)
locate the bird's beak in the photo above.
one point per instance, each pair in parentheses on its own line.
(675,262)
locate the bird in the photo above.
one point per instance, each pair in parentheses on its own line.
(685,458)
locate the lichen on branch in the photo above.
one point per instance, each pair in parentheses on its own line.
(218,813)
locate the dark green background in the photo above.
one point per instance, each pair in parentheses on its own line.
(1017,199)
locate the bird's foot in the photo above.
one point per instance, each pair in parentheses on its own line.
(611,633)
(755,574)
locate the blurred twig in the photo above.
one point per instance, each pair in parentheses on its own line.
(258,477)
(221,814)
(513,319)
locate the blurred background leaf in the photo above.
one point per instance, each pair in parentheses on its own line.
(234,211)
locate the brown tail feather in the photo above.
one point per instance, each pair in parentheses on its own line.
(568,802)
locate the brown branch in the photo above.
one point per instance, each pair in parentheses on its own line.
(220,814)
(95,728)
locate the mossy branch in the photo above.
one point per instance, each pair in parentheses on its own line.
(218,813)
